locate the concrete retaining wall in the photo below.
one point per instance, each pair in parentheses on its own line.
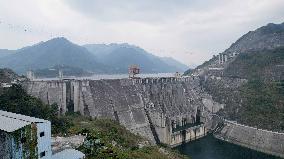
(253,138)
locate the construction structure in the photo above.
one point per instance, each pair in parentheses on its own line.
(24,137)
(177,75)
(60,74)
(133,70)
(30,75)
(28,137)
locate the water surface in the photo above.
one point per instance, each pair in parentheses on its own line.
(212,148)
(111,76)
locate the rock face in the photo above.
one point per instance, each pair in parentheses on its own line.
(225,90)
(60,143)
(146,106)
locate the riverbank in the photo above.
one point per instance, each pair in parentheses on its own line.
(257,139)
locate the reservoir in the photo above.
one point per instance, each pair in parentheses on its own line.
(212,148)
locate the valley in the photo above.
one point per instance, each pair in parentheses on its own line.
(118,100)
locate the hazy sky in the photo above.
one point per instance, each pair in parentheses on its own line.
(188,30)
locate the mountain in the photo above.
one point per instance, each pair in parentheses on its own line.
(267,38)
(174,63)
(58,51)
(120,56)
(92,58)
(260,54)
(5,52)
(7,75)
(67,70)
(250,82)
(252,88)
(267,65)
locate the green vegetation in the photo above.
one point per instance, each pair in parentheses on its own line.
(264,65)
(188,72)
(28,137)
(263,105)
(259,102)
(15,99)
(263,97)
(7,75)
(108,139)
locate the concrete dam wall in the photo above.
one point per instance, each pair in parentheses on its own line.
(166,110)
(253,138)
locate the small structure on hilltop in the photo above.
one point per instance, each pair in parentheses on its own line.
(133,70)
(6,85)
(60,74)
(223,58)
(177,75)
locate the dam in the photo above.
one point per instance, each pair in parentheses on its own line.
(165,110)
(168,110)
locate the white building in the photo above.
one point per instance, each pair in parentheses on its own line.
(24,137)
(177,75)
(223,58)
(6,85)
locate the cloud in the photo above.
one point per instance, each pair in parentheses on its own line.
(163,27)
(127,10)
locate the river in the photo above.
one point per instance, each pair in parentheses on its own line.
(212,148)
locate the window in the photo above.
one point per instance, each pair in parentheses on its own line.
(23,140)
(42,154)
(41,134)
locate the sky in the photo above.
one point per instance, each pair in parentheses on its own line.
(190,31)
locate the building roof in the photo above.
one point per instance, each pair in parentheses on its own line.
(12,121)
(69,153)
(10,124)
